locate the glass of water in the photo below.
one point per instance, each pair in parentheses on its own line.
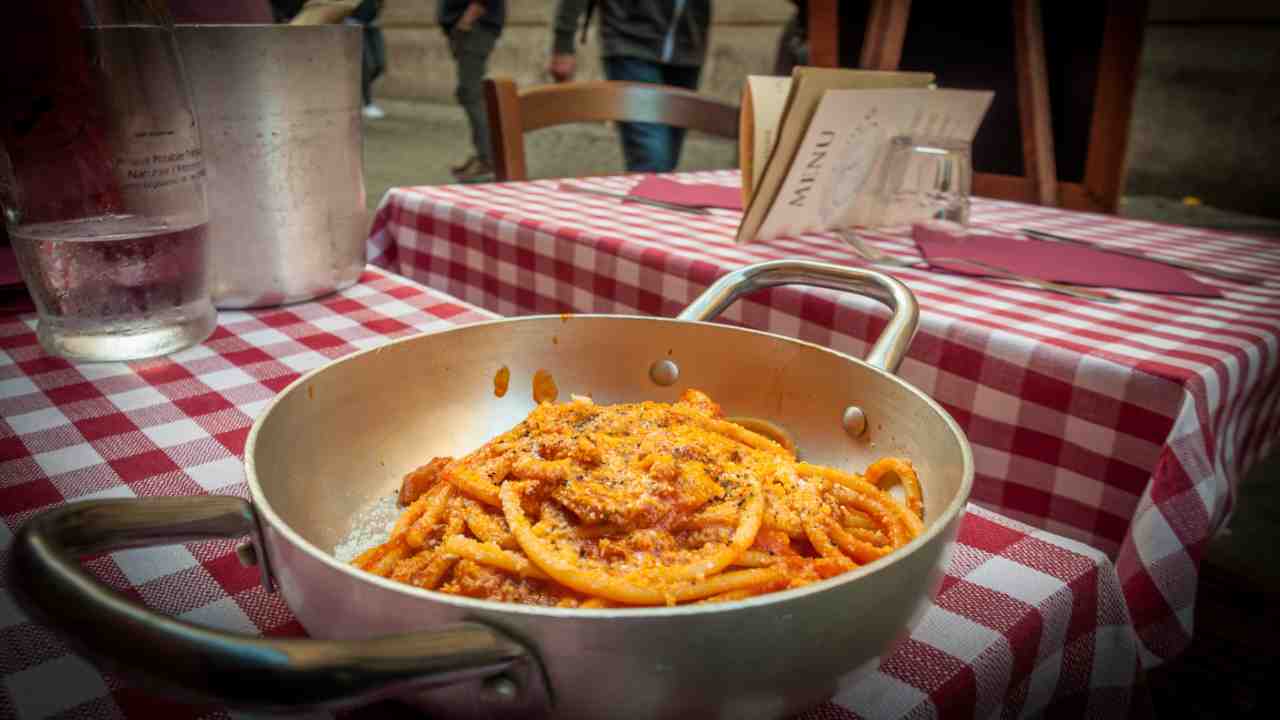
(925,178)
(102,179)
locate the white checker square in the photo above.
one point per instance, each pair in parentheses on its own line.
(992,461)
(63,460)
(193,353)
(1115,642)
(138,398)
(217,474)
(54,686)
(10,613)
(396,308)
(98,371)
(146,564)
(111,493)
(175,433)
(996,405)
(954,634)
(1153,538)
(223,614)
(37,420)
(264,337)
(358,290)
(1044,682)
(360,343)
(228,378)
(13,387)
(1016,580)
(254,408)
(506,273)
(1075,486)
(628,273)
(881,696)
(1091,436)
(922,375)
(304,361)
(333,323)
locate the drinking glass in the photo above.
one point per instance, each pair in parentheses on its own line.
(925,178)
(102,179)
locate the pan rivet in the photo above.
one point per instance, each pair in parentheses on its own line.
(664,372)
(854,421)
(247,554)
(502,686)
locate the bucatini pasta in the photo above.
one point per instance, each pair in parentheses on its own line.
(585,505)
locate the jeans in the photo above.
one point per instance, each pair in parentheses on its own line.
(471,50)
(373,61)
(651,147)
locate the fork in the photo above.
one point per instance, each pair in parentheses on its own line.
(876,257)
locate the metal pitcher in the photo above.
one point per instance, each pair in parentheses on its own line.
(279,111)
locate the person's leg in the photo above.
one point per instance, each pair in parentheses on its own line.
(471,49)
(646,147)
(685,77)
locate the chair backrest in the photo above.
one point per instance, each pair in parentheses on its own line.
(512,113)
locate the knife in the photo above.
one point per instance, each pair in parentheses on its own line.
(1185,265)
(642,201)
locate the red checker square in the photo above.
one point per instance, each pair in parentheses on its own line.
(279,319)
(82,481)
(75,392)
(280,382)
(248,356)
(158,372)
(1028,500)
(171,484)
(11,448)
(446,310)
(982,534)
(231,575)
(320,341)
(342,305)
(143,465)
(13,342)
(43,364)
(205,404)
(369,276)
(28,496)
(387,326)
(95,428)
(135,702)
(234,440)
(403,292)
(123,446)
(921,666)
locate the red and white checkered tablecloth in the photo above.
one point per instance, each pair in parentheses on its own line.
(1025,623)
(1122,425)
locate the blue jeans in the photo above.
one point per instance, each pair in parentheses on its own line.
(651,147)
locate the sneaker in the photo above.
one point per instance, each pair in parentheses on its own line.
(372,112)
(475,171)
(455,169)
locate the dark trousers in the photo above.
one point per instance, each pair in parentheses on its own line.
(373,62)
(651,147)
(471,50)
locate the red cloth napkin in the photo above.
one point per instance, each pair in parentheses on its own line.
(1057,262)
(701,195)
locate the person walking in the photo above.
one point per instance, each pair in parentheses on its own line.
(473,27)
(374,61)
(653,41)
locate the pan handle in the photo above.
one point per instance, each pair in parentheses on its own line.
(201,664)
(887,351)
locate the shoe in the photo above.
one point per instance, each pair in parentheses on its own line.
(475,171)
(372,112)
(455,169)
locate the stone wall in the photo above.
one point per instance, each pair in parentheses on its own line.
(744,38)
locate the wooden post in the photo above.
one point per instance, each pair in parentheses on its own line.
(824,33)
(886,30)
(1038,159)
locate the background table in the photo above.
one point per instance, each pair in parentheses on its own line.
(1025,621)
(1123,425)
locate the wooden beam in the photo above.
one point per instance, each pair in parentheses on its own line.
(1038,162)
(1072,196)
(824,33)
(886,31)
(1107,158)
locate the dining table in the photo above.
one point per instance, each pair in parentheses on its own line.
(1024,621)
(1125,425)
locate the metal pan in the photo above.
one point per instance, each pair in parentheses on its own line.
(342,436)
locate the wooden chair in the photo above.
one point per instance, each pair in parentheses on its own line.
(512,113)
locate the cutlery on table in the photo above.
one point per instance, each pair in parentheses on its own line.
(875,257)
(643,201)
(1184,264)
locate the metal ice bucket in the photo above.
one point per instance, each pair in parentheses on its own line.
(279,110)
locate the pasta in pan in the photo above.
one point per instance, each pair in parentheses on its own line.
(586,505)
